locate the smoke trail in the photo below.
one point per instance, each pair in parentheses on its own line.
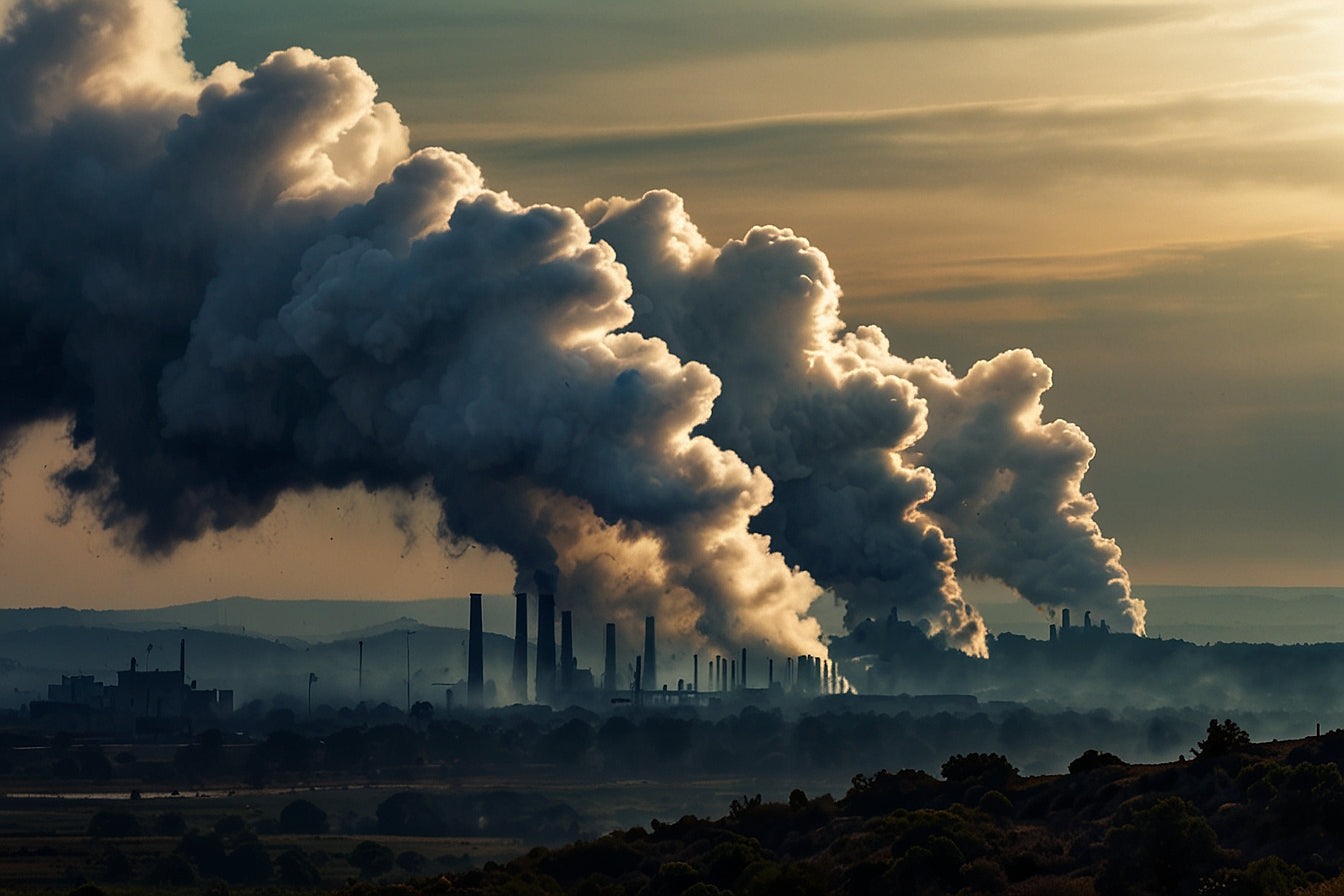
(244,284)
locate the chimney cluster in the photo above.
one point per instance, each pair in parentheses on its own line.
(808,675)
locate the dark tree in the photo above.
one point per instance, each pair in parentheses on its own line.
(372,859)
(249,864)
(302,817)
(1165,848)
(113,824)
(295,869)
(1221,739)
(172,870)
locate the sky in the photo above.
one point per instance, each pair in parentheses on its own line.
(1145,195)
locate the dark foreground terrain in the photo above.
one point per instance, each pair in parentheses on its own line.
(1238,818)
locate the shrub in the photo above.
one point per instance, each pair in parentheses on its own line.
(1091,760)
(990,769)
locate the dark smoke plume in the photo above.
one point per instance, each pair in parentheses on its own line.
(245,284)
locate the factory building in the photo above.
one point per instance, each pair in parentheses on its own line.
(142,703)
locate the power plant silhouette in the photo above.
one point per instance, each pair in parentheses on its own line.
(561,679)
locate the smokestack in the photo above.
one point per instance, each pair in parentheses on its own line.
(695,679)
(1054,633)
(566,651)
(545,648)
(1087,619)
(475,659)
(770,672)
(650,655)
(744,668)
(609,665)
(520,649)
(1064,619)
(361,671)
(182,657)
(732,676)
(639,674)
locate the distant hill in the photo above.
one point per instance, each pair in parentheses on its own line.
(309,620)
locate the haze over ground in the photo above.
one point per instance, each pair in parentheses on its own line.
(1146,196)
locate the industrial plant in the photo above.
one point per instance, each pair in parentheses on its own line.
(562,681)
(143,703)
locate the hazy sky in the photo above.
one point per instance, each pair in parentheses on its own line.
(1150,196)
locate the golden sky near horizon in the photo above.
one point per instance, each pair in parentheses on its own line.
(1148,195)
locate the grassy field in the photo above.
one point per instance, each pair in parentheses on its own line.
(45,842)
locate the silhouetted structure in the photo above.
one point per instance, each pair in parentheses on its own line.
(475,656)
(650,678)
(744,667)
(609,661)
(519,679)
(566,651)
(545,648)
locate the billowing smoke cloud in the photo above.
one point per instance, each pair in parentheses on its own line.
(245,284)
(805,401)
(880,465)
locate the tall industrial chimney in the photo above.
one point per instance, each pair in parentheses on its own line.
(519,679)
(566,651)
(545,648)
(650,678)
(182,657)
(695,679)
(475,656)
(744,668)
(1064,619)
(609,661)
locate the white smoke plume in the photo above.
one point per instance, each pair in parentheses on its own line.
(880,465)
(245,284)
